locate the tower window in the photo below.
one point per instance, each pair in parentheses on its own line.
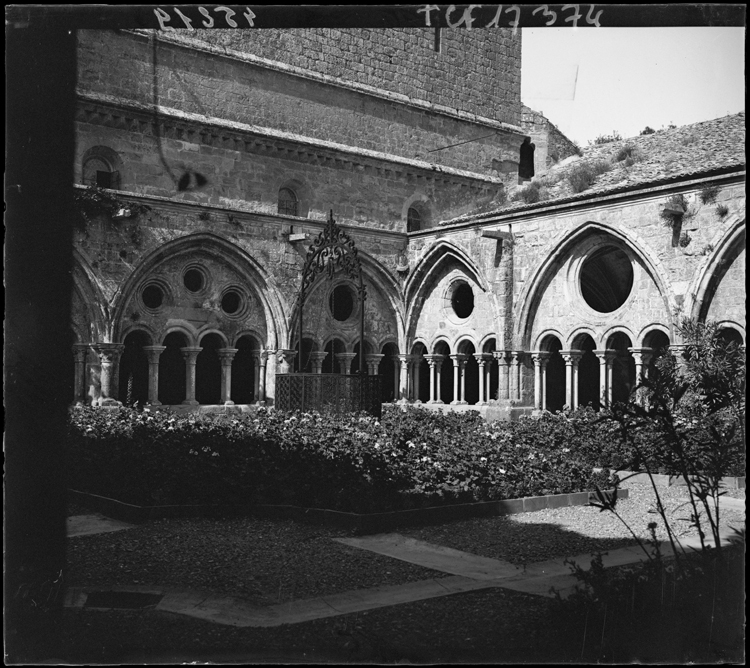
(526,160)
(288,202)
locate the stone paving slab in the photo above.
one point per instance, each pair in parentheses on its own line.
(86,525)
(436,557)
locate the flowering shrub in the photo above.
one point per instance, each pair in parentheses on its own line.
(356,463)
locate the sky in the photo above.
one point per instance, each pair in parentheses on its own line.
(593,81)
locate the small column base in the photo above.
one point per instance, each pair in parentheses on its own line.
(190,403)
(436,401)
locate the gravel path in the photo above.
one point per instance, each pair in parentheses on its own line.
(566,532)
(263,561)
(268,561)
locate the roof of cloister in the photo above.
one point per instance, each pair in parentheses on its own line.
(666,155)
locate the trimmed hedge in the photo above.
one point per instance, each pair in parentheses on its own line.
(408,459)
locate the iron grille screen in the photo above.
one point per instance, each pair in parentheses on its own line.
(327,392)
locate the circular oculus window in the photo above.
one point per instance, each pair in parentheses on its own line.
(152,296)
(462,300)
(231,302)
(341,303)
(606,279)
(194,280)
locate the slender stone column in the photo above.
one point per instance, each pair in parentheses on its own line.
(345,362)
(540,359)
(191,356)
(373,362)
(516,381)
(80,351)
(459,363)
(503,390)
(571,357)
(256,373)
(403,378)
(396,377)
(435,362)
(416,361)
(109,354)
(285,358)
(545,361)
(316,358)
(263,362)
(153,353)
(226,355)
(605,375)
(483,361)
(642,357)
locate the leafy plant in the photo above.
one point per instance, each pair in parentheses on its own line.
(583,175)
(629,155)
(684,240)
(670,214)
(647,131)
(693,420)
(606,139)
(696,412)
(709,194)
(94,201)
(532,193)
(722,211)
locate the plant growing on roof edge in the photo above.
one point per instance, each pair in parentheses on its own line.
(674,210)
(722,211)
(93,201)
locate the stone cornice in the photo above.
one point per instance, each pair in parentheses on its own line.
(583,202)
(181,40)
(263,217)
(97,108)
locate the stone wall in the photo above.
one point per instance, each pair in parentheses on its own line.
(193,80)
(552,146)
(549,249)
(402,61)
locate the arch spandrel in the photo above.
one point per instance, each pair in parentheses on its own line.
(427,294)
(227,268)
(554,298)
(719,288)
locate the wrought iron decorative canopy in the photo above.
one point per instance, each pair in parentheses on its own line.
(331,252)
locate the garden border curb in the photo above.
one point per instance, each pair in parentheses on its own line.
(664,480)
(363,523)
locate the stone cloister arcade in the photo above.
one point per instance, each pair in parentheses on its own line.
(200,322)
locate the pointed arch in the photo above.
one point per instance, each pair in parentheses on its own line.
(376,277)
(540,278)
(223,251)
(726,249)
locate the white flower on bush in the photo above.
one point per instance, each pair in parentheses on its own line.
(377,445)
(410,443)
(483,459)
(501,471)
(566,449)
